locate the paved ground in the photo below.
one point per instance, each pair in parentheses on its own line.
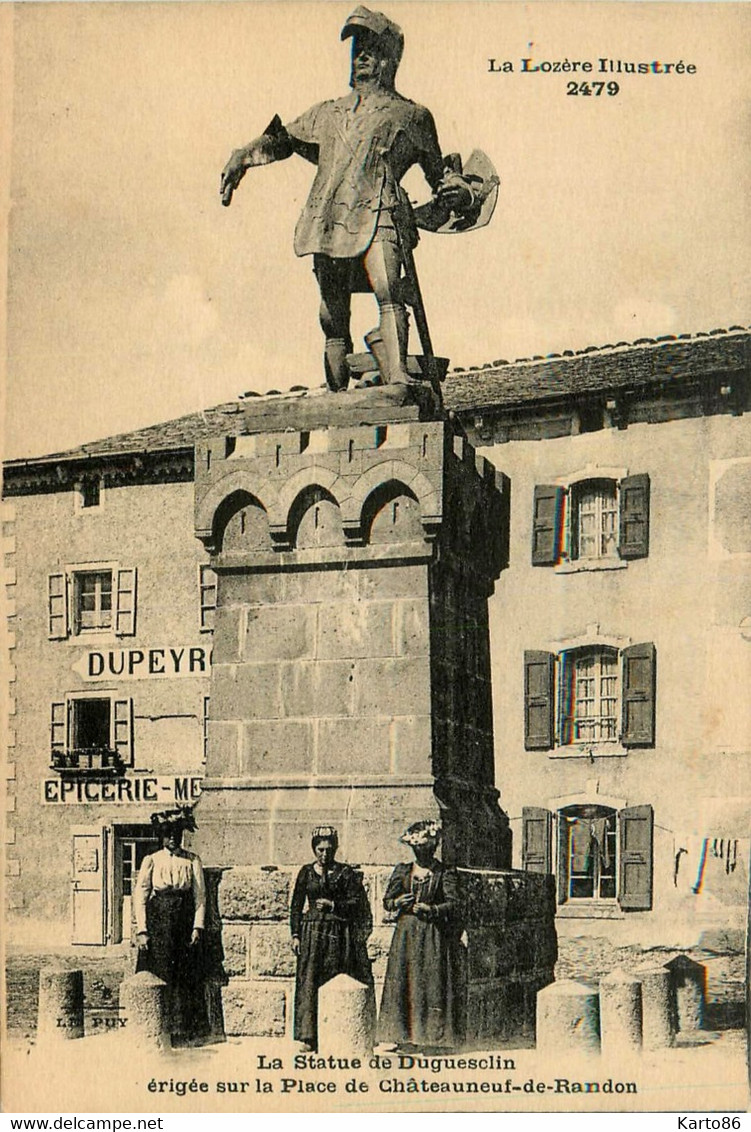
(107,1073)
(103,971)
(105,968)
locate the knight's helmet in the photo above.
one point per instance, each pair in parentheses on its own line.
(388,34)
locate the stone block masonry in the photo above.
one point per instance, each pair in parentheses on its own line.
(508,934)
(351,687)
(351,669)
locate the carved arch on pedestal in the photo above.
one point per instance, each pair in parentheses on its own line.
(400,473)
(238,480)
(315,476)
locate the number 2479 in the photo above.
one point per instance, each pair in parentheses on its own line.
(592,89)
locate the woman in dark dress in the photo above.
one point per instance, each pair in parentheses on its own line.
(170,908)
(329,920)
(421,1004)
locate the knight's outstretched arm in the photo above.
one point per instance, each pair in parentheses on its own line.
(274,144)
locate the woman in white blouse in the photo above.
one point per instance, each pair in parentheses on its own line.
(170,909)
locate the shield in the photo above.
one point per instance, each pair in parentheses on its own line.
(480,175)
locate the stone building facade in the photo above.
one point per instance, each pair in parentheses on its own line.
(620,637)
(621,641)
(110,655)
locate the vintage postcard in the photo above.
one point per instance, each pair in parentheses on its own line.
(376,557)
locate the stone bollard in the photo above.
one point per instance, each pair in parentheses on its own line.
(620,1012)
(143,1003)
(688,984)
(346,1016)
(657,1008)
(60,1014)
(568,1018)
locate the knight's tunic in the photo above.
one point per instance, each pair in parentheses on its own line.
(363,145)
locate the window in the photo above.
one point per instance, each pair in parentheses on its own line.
(205,726)
(600,856)
(92,599)
(86,724)
(593,521)
(91,723)
(133,852)
(587,846)
(90,492)
(92,602)
(581,698)
(589,696)
(207,590)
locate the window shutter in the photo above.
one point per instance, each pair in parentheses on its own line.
(207,586)
(635,869)
(546,525)
(537,827)
(562,859)
(122,729)
(58,727)
(539,669)
(634,517)
(57,606)
(638,695)
(125,614)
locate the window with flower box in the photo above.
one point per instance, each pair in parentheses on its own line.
(91,732)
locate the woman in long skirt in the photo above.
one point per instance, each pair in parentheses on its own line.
(170,908)
(422,993)
(330,923)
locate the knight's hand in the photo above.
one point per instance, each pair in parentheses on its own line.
(454,194)
(232,175)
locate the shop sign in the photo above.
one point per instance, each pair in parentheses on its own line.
(157,790)
(144,664)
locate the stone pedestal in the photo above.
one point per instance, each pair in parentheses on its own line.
(351,659)
(356,539)
(60,1014)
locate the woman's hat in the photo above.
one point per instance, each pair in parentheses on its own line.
(322,833)
(427,832)
(181,817)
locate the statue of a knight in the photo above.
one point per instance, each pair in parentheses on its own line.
(357,222)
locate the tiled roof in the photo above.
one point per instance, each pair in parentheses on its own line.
(182,432)
(597,370)
(499,384)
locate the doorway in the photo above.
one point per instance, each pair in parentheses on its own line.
(131,844)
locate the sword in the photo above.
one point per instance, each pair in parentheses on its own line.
(418,305)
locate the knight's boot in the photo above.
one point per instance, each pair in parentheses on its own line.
(374,343)
(335,364)
(393,331)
